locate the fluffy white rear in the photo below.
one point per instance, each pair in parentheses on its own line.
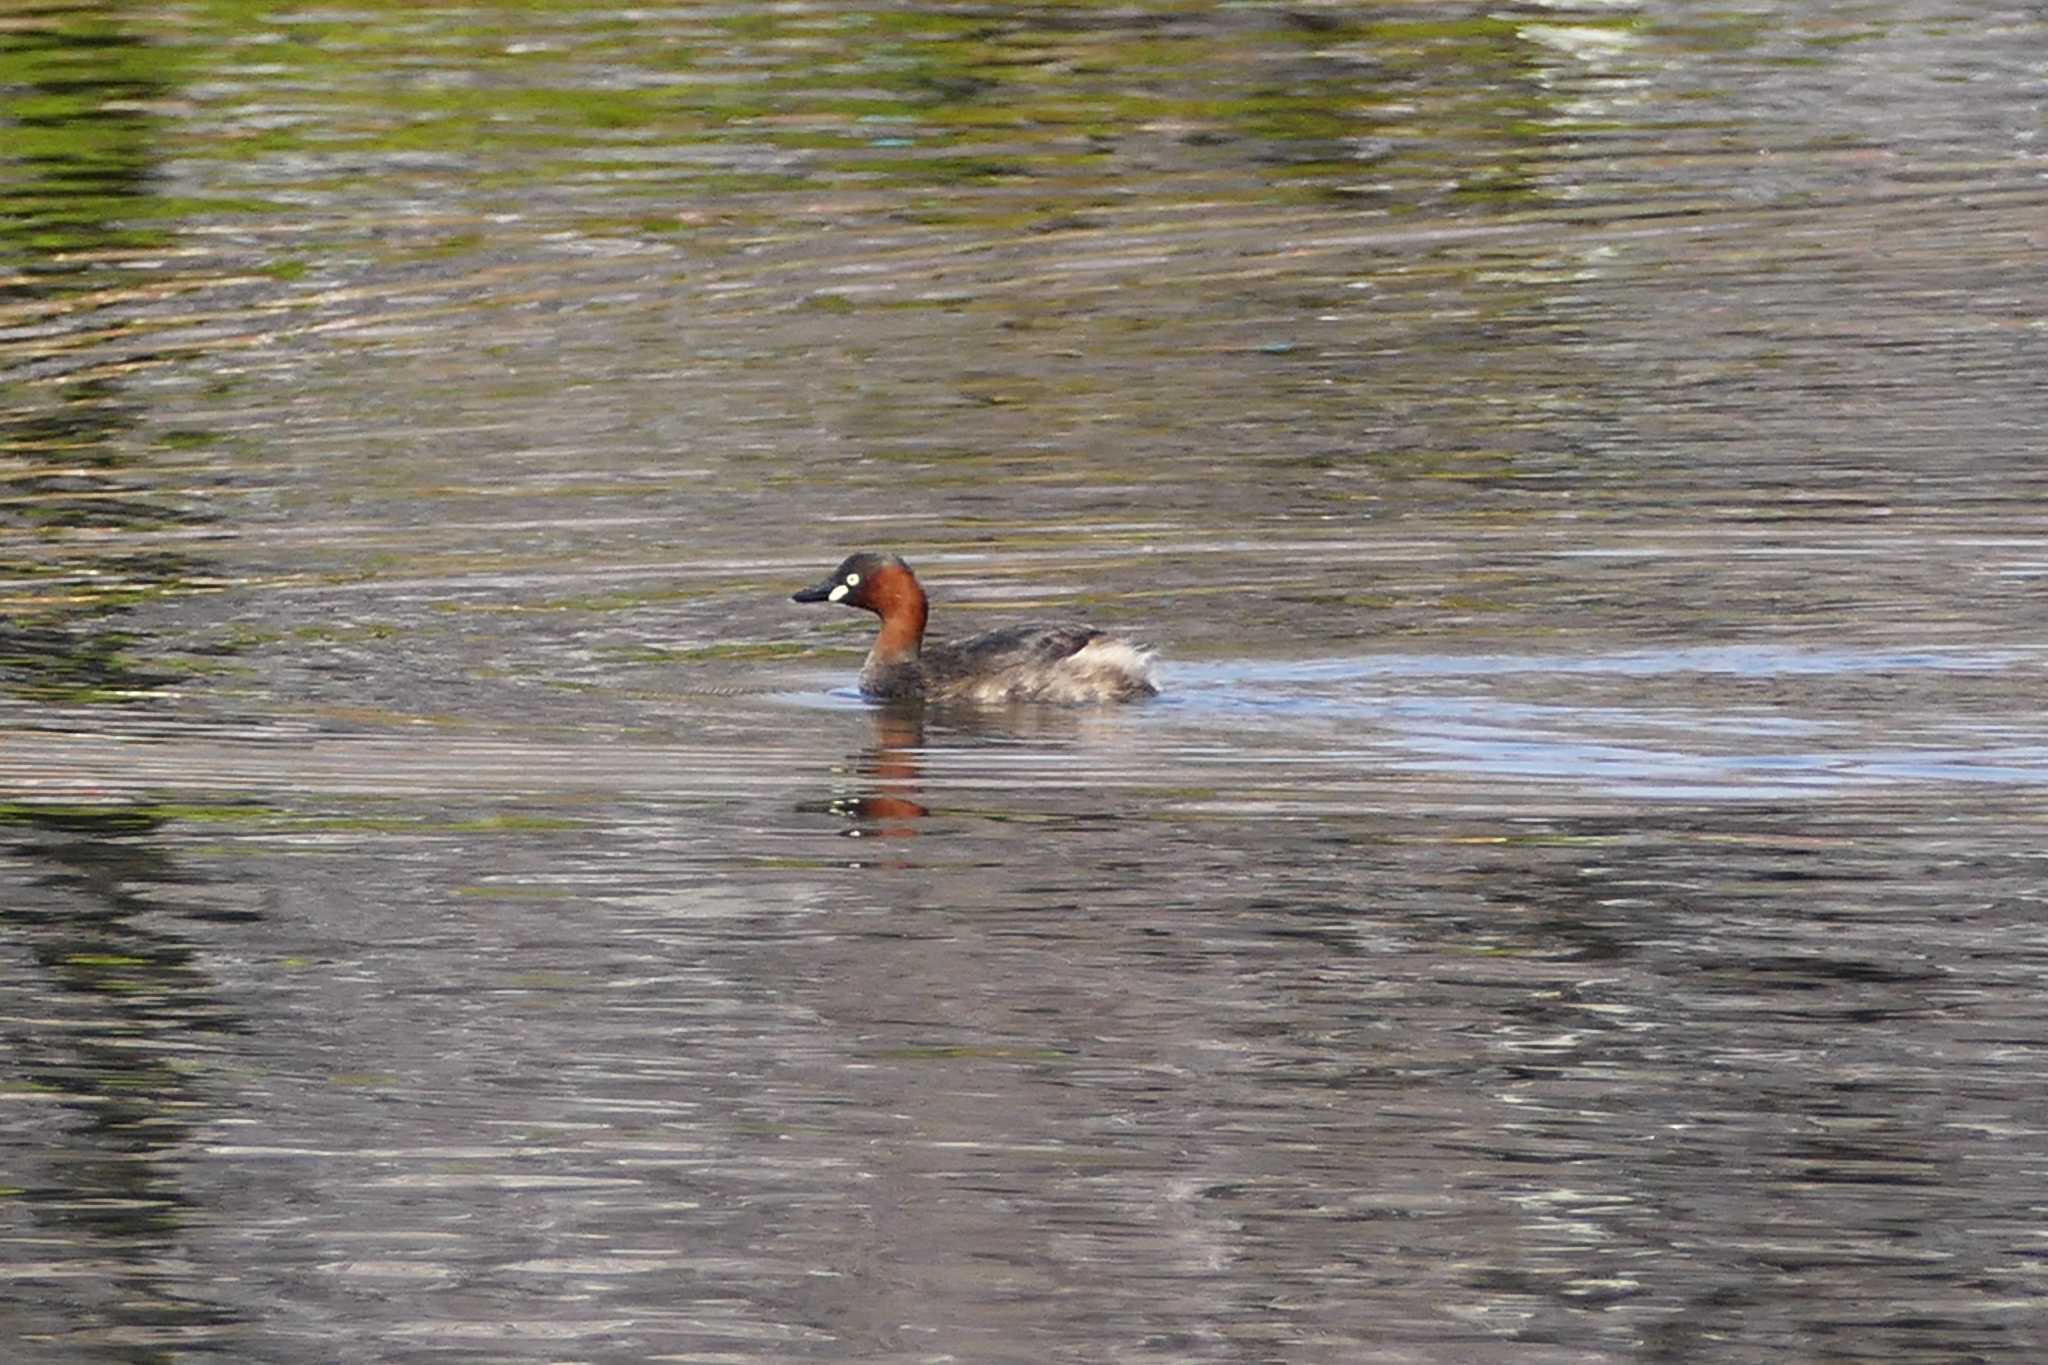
(1109,659)
(1104,669)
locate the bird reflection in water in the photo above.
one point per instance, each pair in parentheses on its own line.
(886,777)
(887,774)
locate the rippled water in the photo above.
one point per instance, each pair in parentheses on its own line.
(1579,898)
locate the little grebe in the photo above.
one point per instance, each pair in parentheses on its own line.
(1057,663)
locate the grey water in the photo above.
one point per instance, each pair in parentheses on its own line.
(1581,895)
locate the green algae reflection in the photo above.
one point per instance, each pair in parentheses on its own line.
(77,199)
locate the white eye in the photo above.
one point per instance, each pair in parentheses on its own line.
(853,580)
(838,591)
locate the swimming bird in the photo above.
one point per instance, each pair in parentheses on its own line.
(1055,662)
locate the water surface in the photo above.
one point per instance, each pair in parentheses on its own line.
(1579,898)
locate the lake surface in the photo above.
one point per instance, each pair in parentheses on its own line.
(1580,897)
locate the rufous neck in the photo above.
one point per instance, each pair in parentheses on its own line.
(903,609)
